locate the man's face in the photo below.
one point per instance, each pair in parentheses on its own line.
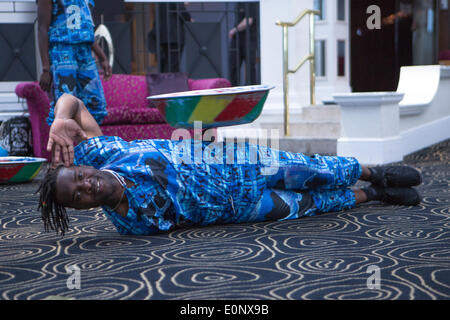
(83,187)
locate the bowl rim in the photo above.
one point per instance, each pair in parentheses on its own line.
(17,160)
(213,92)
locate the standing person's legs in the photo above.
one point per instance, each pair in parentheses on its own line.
(89,85)
(64,72)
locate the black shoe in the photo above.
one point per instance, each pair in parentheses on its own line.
(400,196)
(395,176)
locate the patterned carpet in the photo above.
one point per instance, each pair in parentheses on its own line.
(332,256)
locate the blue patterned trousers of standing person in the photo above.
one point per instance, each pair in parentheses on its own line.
(75,72)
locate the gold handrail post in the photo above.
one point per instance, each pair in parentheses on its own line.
(285,80)
(312,67)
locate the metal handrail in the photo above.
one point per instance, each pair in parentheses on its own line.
(310,57)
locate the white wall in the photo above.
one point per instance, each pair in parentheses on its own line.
(331,30)
(17,11)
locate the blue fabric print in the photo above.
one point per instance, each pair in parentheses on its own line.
(71,22)
(75,72)
(73,67)
(174,185)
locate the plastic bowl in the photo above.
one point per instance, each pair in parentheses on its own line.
(19,169)
(213,107)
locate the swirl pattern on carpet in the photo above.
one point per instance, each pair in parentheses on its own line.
(324,257)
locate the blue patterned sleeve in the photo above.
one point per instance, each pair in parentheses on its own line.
(131,225)
(99,151)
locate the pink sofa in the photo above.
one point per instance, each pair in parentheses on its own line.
(128,115)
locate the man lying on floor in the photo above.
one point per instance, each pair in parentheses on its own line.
(144,188)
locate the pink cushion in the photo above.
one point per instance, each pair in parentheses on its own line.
(125,90)
(125,115)
(199,84)
(160,83)
(139,131)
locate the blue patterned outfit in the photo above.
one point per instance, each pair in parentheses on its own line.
(182,183)
(74,70)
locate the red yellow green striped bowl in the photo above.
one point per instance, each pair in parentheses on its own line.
(19,169)
(213,107)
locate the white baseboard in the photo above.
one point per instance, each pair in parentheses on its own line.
(371,151)
(387,150)
(426,135)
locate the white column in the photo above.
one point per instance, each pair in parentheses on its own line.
(331,30)
(271,51)
(370,127)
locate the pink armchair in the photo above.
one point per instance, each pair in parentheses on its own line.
(129,116)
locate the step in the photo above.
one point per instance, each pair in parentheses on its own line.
(13,107)
(8,97)
(318,129)
(8,86)
(7,115)
(302,144)
(10,103)
(305,145)
(308,145)
(321,113)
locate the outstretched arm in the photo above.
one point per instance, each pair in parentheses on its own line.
(241,26)
(104,63)
(73,123)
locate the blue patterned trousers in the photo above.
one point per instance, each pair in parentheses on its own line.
(74,71)
(306,186)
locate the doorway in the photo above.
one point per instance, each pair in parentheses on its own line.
(408,35)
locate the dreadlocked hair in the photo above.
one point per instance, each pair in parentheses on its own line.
(53,214)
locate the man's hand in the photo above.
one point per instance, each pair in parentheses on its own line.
(106,69)
(45,82)
(102,60)
(64,134)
